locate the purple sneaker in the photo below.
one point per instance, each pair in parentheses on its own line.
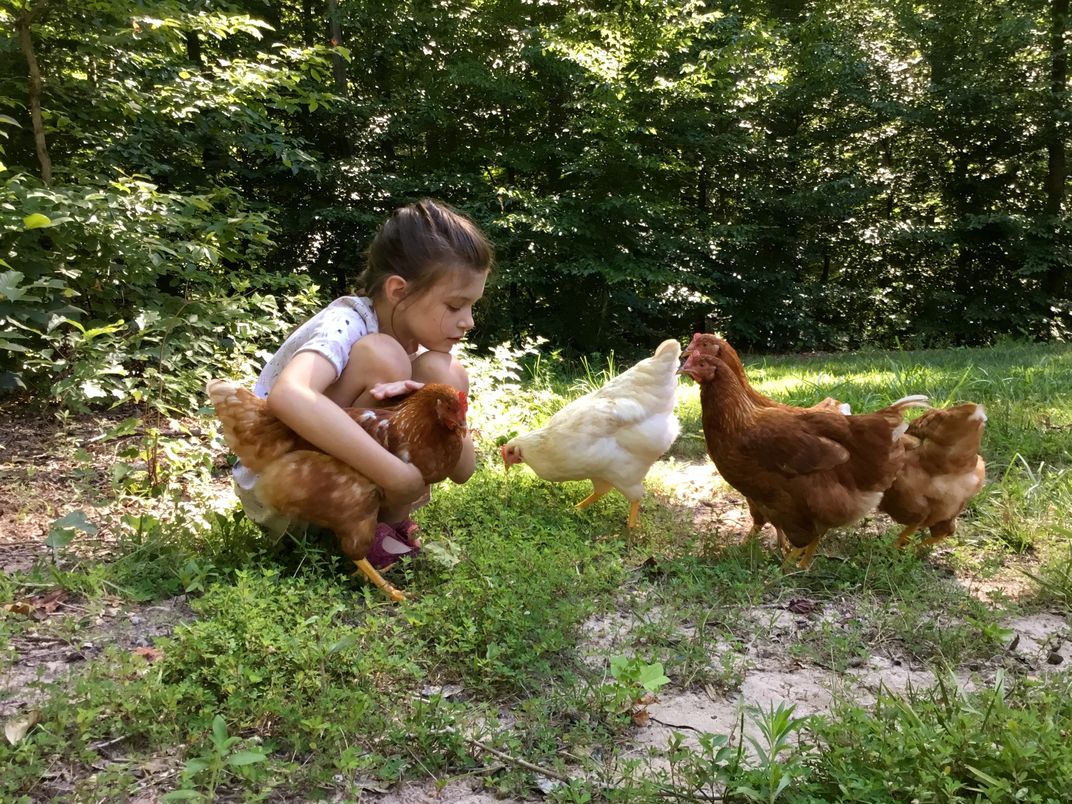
(388,545)
(408,530)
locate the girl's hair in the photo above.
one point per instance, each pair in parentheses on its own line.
(419,243)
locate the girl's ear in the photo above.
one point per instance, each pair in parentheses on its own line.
(394,288)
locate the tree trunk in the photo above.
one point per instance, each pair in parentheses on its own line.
(22,24)
(338,67)
(337,62)
(887,162)
(702,189)
(193,50)
(307,23)
(1056,281)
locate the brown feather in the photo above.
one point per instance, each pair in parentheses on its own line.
(803,471)
(941,472)
(302,482)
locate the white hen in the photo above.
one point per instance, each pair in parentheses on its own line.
(610,436)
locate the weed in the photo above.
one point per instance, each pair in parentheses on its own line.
(778,763)
(996,744)
(634,686)
(222,756)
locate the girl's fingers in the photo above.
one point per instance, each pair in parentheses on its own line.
(384,390)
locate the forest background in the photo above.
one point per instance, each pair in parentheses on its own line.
(182,182)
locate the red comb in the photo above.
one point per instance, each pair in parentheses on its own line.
(463,400)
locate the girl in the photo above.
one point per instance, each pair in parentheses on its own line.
(426,268)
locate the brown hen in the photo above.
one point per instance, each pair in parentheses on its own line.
(804,471)
(426,428)
(708,343)
(942,471)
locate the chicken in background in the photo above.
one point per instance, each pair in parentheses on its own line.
(942,471)
(804,471)
(611,436)
(708,343)
(426,428)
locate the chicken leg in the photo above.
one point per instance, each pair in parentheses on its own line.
(379,580)
(354,540)
(809,555)
(906,534)
(599,488)
(591,498)
(802,556)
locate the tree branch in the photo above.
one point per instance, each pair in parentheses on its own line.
(22,24)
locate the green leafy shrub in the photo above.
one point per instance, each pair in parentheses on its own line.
(948,744)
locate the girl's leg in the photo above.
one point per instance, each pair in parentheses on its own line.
(440,367)
(374,359)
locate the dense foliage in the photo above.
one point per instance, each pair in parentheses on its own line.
(182,180)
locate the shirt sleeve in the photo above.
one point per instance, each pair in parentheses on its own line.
(334,335)
(331,333)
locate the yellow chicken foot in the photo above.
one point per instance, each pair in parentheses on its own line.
(634,511)
(932,540)
(809,555)
(801,556)
(378,580)
(591,498)
(906,534)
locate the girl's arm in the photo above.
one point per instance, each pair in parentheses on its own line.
(298,400)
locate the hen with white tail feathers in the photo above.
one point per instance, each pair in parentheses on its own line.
(611,436)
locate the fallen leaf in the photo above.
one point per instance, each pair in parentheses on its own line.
(44,605)
(445,691)
(17,727)
(369,785)
(802,605)
(20,607)
(149,654)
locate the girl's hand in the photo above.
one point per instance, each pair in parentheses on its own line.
(406,487)
(384,390)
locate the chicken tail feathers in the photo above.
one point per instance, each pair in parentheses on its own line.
(912,401)
(251,431)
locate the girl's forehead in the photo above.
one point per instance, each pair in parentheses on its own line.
(462,281)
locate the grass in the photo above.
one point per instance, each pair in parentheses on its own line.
(294,680)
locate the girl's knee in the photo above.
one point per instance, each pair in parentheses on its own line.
(440,367)
(380,358)
(374,359)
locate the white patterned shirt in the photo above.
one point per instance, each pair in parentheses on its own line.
(330,333)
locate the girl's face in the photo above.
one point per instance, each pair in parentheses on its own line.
(440,317)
